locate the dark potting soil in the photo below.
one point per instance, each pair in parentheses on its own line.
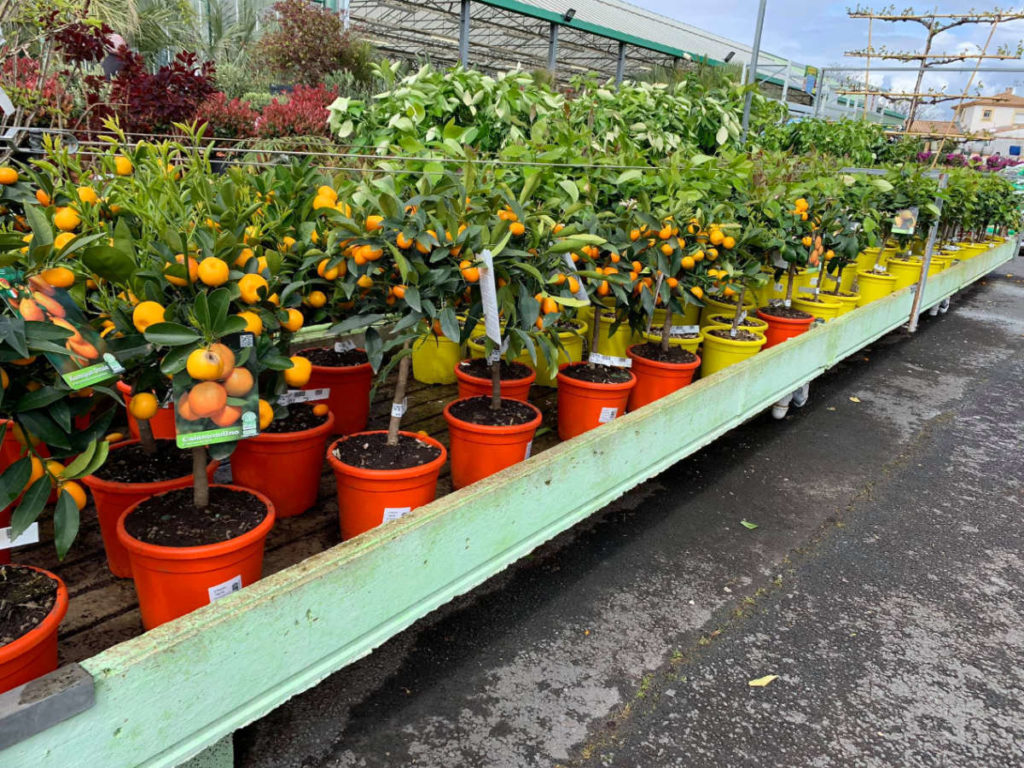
(373,452)
(726,299)
(477,410)
(26,598)
(481,369)
(656,331)
(597,374)
(653,351)
(726,333)
(829,295)
(327,357)
(789,313)
(300,418)
(172,520)
(131,464)
(566,325)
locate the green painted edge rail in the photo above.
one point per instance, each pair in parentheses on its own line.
(165,696)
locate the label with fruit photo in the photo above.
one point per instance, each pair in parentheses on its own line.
(82,358)
(215,398)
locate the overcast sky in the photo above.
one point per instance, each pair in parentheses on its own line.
(818,33)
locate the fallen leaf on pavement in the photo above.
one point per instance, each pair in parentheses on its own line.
(854,399)
(761,682)
(748,525)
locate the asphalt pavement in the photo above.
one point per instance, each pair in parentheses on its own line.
(883,585)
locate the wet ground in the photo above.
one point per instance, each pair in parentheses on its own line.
(883,585)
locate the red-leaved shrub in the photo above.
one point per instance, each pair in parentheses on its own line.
(234,119)
(150,102)
(304,114)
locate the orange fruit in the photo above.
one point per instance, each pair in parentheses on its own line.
(266,414)
(697,291)
(228,416)
(603,289)
(66,219)
(61,240)
(667,249)
(253,323)
(298,375)
(8,176)
(239,382)
(76,492)
(729,242)
(58,277)
(146,313)
(43,197)
(634,235)
(193,271)
(114,437)
(204,365)
(717,237)
(364,281)
(665,232)
(687,262)
(123,166)
(316,299)
(88,195)
(294,321)
(184,409)
(213,271)
(373,223)
(249,286)
(143,406)
(207,399)
(403,242)
(326,272)
(517,228)
(227,358)
(243,256)
(320,410)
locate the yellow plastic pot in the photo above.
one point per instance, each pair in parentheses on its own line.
(826,309)
(690,345)
(572,352)
(434,359)
(847,300)
(970,250)
(764,294)
(867,259)
(716,307)
(939,263)
(906,271)
(690,316)
(750,322)
(720,353)
(873,286)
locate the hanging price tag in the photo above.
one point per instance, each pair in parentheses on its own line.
(615,362)
(398,409)
(489,297)
(581,292)
(31,534)
(344,346)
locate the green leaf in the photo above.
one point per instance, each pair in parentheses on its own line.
(627,176)
(353,323)
(40,424)
(38,399)
(571,189)
(412,298)
(450,324)
(98,459)
(222,451)
(81,461)
(109,263)
(65,523)
(170,335)
(32,504)
(13,480)
(374,348)
(748,525)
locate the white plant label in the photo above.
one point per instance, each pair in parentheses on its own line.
(683,330)
(805,289)
(614,362)
(394,513)
(344,346)
(743,316)
(607,414)
(581,292)
(245,340)
(814,281)
(779,287)
(529,450)
(225,589)
(398,409)
(31,534)
(303,395)
(489,297)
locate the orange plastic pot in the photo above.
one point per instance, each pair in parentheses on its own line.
(479,450)
(369,497)
(656,379)
(782,328)
(284,466)
(35,653)
(173,581)
(511,389)
(112,498)
(583,405)
(349,401)
(162,424)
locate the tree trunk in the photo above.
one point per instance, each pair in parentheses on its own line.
(790,273)
(666,330)
(200,480)
(146,439)
(496,384)
(595,332)
(400,386)
(739,310)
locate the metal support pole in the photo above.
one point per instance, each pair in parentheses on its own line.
(553,48)
(464,34)
(752,72)
(819,95)
(915,308)
(620,68)
(785,82)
